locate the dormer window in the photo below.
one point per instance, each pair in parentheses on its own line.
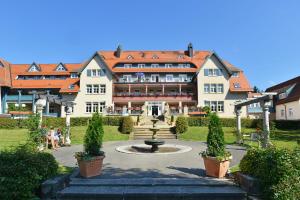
(34,68)
(235,74)
(74,75)
(237,85)
(282,95)
(129,57)
(1,64)
(60,67)
(72,86)
(154,56)
(180,56)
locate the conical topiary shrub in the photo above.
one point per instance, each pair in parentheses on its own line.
(94,136)
(91,160)
(216,159)
(127,125)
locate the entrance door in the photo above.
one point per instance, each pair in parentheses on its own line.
(155,110)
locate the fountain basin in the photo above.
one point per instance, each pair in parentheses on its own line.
(154,143)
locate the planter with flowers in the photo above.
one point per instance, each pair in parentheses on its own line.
(91,160)
(216,159)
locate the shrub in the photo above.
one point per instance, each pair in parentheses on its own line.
(127,125)
(23,169)
(181,125)
(172,118)
(277,169)
(215,138)
(94,136)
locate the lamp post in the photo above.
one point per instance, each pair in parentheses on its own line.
(68,109)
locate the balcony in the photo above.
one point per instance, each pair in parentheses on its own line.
(157,96)
(150,81)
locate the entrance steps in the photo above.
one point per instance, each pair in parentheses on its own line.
(151,189)
(143,132)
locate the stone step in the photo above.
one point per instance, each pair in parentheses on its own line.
(152,192)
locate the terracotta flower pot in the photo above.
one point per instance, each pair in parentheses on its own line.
(214,167)
(89,168)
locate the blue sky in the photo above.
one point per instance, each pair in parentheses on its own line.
(261,37)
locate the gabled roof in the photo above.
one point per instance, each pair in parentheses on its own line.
(61,65)
(5,76)
(294,94)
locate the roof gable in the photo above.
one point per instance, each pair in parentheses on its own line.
(34,68)
(61,67)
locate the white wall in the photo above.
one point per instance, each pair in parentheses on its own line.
(81,98)
(228,97)
(295,106)
(0,101)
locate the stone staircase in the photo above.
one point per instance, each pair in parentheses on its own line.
(143,132)
(151,189)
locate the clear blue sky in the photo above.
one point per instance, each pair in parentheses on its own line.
(261,37)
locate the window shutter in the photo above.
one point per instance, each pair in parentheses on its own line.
(88,72)
(205,72)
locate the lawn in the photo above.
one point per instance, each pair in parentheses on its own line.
(13,137)
(281,138)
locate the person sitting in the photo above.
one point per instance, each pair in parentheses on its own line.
(53,138)
(60,136)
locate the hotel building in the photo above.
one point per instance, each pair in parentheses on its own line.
(127,83)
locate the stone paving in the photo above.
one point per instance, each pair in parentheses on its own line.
(122,165)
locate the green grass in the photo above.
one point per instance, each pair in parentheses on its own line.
(281,138)
(13,137)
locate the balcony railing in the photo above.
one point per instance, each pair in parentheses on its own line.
(156,94)
(149,80)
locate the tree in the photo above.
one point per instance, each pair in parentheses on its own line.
(181,125)
(94,136)
(256,89)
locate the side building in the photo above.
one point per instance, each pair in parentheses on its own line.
(128,83)
(287,101)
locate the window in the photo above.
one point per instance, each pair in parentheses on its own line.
(88,73)
(187,66)
(207,103)
(210,72)
(220,88)
(127,78)
(282,113)
(154,65)
(282,95)
(290,112)
(72,86)
(102,106)
(94,72)
(168,65)
(236,85)
(129,57)
(182,77)
(141,65)
(102,89)
(235,74)
(96,89)
(154,57)
(213,88)
(60,67)
(95,107)
(181,65)
(127,65)
(206,88)
(213,106)
(88,107)
(74,75)
(34,68)
(220,106)
(169,77)
(89,89)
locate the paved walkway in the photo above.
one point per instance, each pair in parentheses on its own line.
(121,165)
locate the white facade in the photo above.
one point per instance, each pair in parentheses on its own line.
(288,111)
(228,98)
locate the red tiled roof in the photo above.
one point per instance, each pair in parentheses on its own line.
(148,57)
(242,80)
(5,77)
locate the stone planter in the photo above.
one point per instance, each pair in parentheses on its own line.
(214,167)
(248,183)
(90,168)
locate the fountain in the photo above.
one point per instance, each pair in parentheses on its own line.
(154,142)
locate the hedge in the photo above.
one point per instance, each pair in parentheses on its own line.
(277,169)
(7,123)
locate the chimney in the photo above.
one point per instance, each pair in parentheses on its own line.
(190,50)
(118,51)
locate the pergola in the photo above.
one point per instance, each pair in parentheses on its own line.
(265,102)
(44,99)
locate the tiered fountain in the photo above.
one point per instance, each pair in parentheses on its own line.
(154,142)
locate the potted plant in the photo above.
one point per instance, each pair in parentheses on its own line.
(91,160)
(216,159)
